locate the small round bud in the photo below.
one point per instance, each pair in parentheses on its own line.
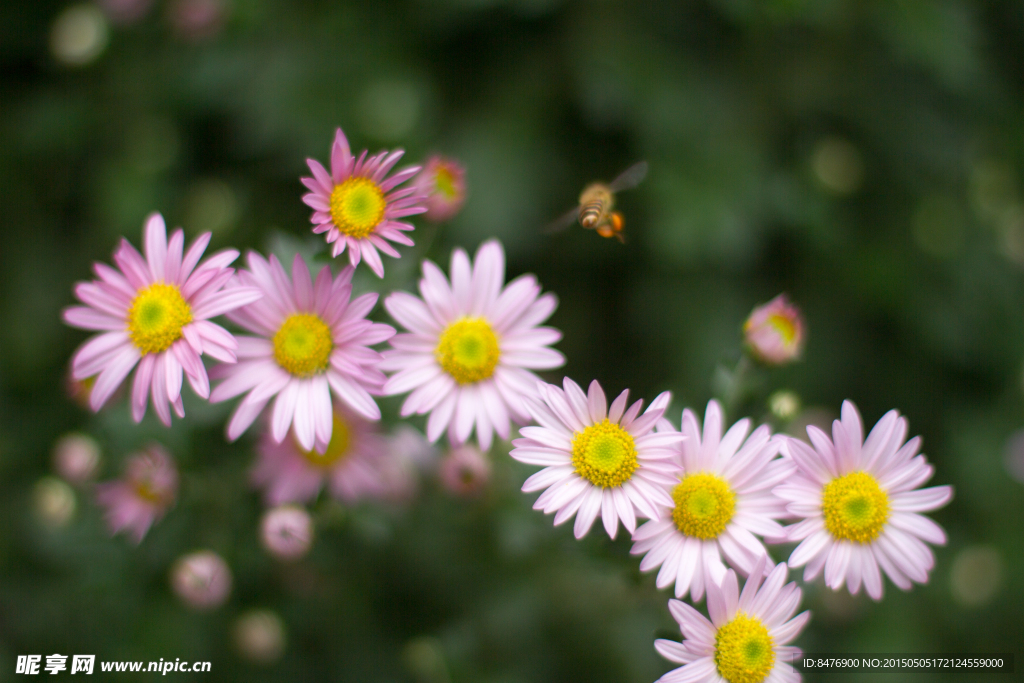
(202,579)
(443,182)
(54,502)
(79,35)
(774,332)
(785,405)
(287,532)
(465,471)
(76,457)
(260,636)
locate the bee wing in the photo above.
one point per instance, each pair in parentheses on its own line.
(629,178)
(563,221)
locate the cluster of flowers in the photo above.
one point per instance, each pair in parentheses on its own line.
(466,358)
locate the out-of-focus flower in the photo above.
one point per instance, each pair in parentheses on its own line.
(287,532)
(54,502)
(76,457)
(721,502)
(774,332)
(598,460)
(125,12)
(443,182)
(289,473)
(313,338)
(465,471)
(79,35)
(155,314)
(260,636)
(142,496)
(202,579)
(858,500)
(358,207)
(746,639)
(197,19)
(471,346)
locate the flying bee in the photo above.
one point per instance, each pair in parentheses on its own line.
(597,201)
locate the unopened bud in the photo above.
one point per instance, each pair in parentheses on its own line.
(202,579)
(287,532)
(774,332)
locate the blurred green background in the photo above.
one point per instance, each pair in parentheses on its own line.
(865,156)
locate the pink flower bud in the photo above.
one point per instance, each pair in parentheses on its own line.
(443,182)
(287,532)
(202,579)
(76,457)
(465,471)
(774,332)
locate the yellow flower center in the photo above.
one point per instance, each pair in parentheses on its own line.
(156,317)
(785,326)
(337,449)
(744,651)
(704,505)
(303,345)
(150,492)
(855,507)
(444,181)
(357,206)
(468,350)
(604,454)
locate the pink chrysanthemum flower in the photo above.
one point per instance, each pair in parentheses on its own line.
(774,332)
(143,495)
(746,639)
(358,207)
(720,502)
(471,346)
(598,460)
(859,502)
(155,314)
(312,339)
(289,473)
(442,182)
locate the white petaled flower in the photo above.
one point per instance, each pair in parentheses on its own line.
(746,639)
(859,503)
(723,499)
(154,314)
(598,460)
(313,339)
(471,346)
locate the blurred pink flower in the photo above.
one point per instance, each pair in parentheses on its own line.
(774,332)
(155,313)
(76,457)
(443,182)
(313,338)
(142,496)
(202,579)
(358,207)
(465,471)
(287,532)
(289,473)
(197,19)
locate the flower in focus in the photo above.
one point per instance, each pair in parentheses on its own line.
(443,183)
(746,639)
(202,579)
(358,207)
(287,532)
(721,502)
(598,460)
(859,502)
(471,346)
(289,473)
(312,339)
(76,457)
(155,314)
(774,332)
(465,471)
(142,496)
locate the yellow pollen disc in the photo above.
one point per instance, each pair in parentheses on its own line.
(357,206)
(744,650)
(303,345)
(704,505)
(604,454)
(784,326)
(148,492)
(468,350)
(855,507)
(444,181)
(337,449)
(156,317)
